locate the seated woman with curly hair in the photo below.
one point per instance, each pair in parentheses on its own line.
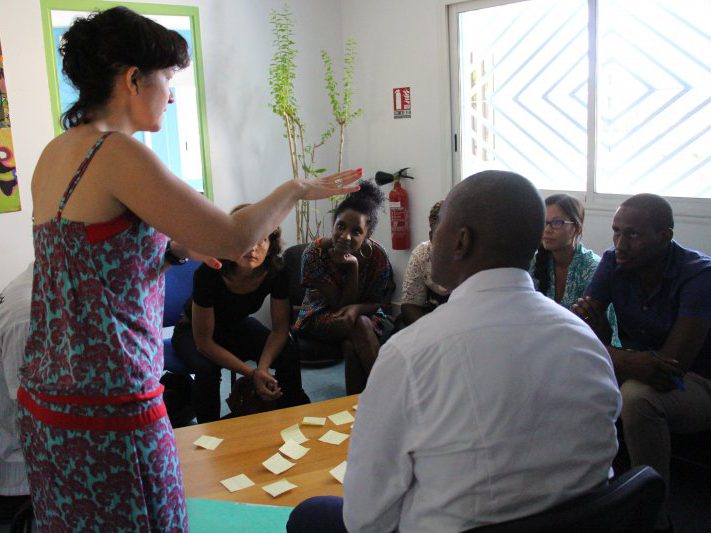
(216,330)
(348,277)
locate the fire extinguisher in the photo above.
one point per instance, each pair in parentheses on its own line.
(399,208)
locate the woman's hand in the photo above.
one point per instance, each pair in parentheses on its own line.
(325,187)
(266,386)
(348,313)
(342,256)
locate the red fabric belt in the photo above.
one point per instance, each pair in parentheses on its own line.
(94,423)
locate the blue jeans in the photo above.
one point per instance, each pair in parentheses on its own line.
(321,514)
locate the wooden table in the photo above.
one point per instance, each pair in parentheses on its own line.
(250,440)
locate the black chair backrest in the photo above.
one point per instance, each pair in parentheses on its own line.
(292,263)
(627,504)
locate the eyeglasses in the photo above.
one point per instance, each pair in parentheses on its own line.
(557,223)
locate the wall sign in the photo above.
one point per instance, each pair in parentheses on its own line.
(401,103)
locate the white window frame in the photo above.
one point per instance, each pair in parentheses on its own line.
(684,208)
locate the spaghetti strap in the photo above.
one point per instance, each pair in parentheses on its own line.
(80,172)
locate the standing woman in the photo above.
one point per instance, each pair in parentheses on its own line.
(348,278)
(216,330)
(99,448)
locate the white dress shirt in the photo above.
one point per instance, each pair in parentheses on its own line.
(15,303)
(497,405)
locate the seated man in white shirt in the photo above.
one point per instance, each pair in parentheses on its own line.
(14,327)
(497,405)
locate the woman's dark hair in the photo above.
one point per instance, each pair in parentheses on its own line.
(367,200)
(273,262)
(575,211)
(434,214)
(97,48)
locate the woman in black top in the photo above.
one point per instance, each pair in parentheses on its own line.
(216,330)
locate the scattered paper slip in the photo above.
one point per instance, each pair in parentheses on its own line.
(339,472)
(313,421)
(207,442)
(355,407)
(333,437)
(344,417)
(276,464)
(278,487)
(292,450)
(293,433)
(237,483)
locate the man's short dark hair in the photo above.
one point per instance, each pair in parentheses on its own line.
(656,208)
(507,213)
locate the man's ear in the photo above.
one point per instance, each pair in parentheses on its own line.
(465,243)
(667,234)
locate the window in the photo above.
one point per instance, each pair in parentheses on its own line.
(182,141)
(597,96)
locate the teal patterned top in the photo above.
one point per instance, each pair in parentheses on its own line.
(580,273)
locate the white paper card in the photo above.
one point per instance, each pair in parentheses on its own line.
(333,437)
(339,472)
(207,442)
(279,487)
(313,421)
(237,483)
(293,451)
(276,464)
(355,407)
(293,433)
(344,417)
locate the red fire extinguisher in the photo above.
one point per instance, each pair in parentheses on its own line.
(399,208)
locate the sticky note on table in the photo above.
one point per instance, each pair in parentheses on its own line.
(344,417)
(207,442)
(276,464)
(333,437)
(279,487)
(293,433)
(339,472)
(293,450)
(237,483)
(313,421)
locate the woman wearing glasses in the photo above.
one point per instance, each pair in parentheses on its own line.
(563,267)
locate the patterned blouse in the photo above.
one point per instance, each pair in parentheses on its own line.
(580,272)
(374,279)
(417,285)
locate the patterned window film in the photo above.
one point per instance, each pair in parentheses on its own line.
(606,96)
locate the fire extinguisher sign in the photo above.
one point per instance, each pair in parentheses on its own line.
(401,103)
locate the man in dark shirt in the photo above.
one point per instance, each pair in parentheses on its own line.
(661,293)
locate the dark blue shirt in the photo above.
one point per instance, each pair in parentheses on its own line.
(644,319)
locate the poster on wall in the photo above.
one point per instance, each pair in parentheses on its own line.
(9,190)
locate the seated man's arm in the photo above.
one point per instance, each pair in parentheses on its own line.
(380,467)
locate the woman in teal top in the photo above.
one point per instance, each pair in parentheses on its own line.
(562,267)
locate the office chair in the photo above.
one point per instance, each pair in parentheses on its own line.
(627,504)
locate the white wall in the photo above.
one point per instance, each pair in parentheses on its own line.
(248,154)
(404,43)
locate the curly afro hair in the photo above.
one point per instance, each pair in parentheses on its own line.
(367,200)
